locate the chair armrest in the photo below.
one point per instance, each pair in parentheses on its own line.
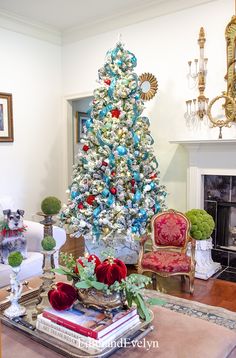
(144,239)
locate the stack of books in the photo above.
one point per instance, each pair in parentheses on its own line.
(87,329)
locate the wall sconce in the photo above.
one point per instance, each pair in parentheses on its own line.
(196,108)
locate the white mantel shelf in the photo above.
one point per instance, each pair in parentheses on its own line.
(203,141)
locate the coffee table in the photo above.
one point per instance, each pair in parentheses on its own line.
(29,299)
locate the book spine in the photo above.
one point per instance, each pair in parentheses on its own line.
(79,341)
(71,325)
(66,338)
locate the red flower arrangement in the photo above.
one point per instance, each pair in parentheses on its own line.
(109,276)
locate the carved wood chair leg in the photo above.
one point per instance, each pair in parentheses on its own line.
(154,281)
(191,284)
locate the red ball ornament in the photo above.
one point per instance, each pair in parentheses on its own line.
(153,176)
(113,191)
(113,174)
(107,81)
(62,296)
(89,258)
(105,164)
(85,148)
(90,199)
(80,206)
(115,113)
(133,190)
(132,181)
(111,270)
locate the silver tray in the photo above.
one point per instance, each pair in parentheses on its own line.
(133,335)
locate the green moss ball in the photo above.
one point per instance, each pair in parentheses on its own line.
(51,205)
(15,259)
(48,243)
(202,224)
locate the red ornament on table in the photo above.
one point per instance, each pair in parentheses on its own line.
(115,113)
(113,191)
(153,176)
(62,296)
(111,270)
(105,164)
(113,174)
(107,81)
(90,199)
(133,190)
(85,148)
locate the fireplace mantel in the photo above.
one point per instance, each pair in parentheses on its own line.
(206,157)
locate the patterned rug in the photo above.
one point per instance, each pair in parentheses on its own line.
(213,314)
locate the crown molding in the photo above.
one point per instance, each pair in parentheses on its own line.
(144,12)
(12,22)
(148,10)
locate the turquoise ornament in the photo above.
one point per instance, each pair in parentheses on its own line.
(110,200)
(152,185)
(121,150)
(137,196)
(157,207)
(134,229)
(119,62)
(88,123)
(105,193)
(74,194)
(136,176)
(136,153)
(96,211)
(145,156)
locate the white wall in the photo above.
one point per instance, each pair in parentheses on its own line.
(31,166)
(163,46)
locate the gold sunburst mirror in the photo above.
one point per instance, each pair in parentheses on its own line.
(148,85)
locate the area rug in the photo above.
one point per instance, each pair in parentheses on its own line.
(213,314)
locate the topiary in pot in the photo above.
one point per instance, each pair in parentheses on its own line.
(51,205)
(202,224)
(48,243)
(15,259)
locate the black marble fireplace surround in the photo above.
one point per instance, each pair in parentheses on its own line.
(220,202)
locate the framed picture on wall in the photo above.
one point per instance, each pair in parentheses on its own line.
(81,118)
(6,118)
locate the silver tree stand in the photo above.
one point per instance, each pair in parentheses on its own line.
(15,309)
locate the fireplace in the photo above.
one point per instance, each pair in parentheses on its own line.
(220,202)
(211,185)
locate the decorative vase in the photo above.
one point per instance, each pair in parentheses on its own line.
(123,249)
(15,309)
(47,278)
(100,300)
(205,266)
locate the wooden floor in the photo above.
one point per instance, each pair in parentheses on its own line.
(212,292)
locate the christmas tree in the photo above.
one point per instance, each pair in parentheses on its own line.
(115,188)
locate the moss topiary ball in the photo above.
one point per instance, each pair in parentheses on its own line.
(51,205)
(202,224)
(48,243)
(15,259)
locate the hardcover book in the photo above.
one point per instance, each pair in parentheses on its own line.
(89,322)
(80,341)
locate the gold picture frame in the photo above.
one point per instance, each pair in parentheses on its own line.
(6,118)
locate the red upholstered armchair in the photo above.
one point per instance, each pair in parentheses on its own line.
(170,235)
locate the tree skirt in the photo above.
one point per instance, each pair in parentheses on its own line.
(213,314)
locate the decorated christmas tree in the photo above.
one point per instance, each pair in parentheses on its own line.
(115,189)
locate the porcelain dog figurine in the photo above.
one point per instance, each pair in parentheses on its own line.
(12,234)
